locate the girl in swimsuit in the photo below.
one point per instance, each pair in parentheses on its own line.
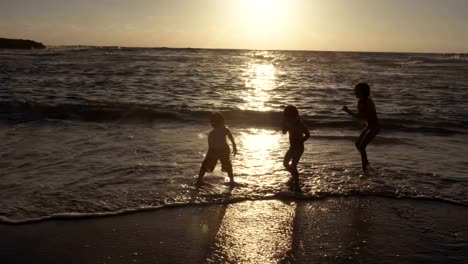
(298,134)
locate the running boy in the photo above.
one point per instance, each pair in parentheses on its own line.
(218,148)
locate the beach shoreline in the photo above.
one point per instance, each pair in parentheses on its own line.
(350,229)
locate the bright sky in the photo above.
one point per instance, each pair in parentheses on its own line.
(345,25)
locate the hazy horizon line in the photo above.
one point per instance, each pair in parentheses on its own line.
(250,49)
(205,48)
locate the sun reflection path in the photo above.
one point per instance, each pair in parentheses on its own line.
(260,80)
(260,152)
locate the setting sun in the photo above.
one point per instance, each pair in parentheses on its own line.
(263,8)
(262,20)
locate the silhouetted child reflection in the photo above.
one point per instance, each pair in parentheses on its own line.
(298,134)
(218,148)
(366,112)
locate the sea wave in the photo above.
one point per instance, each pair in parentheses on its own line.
(82,48)
(23,111)
(438,59)
(68,51)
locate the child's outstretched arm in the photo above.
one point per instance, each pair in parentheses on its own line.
(349,112)
(233,142)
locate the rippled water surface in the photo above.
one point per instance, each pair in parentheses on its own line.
(89,131)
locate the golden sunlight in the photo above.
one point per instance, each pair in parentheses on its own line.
(264,5)
(255,232)
(263,18)
(259,80)
(259,147)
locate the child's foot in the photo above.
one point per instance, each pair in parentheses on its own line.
(297,187)
(199,182)
(294,186)
(232,184)
(364,167)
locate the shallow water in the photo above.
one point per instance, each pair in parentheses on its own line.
(89,131)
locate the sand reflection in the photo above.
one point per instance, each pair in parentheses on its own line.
(254,232)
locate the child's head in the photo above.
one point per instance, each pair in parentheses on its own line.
(290,112)
(217,119)
(362,90)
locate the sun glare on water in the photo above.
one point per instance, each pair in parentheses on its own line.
(259,146)
(260,79)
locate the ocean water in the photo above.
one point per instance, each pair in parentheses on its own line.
(89,131)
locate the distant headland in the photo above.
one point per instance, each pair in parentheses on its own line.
(20,44)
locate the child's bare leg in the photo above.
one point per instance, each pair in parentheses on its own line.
(287,158)
(201,173)
(364,160)
(231,175)
(227,165)
(362,148)
(360,139)
(368,137)
(294,171)
(296,156)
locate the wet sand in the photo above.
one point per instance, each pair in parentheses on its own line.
(333,230)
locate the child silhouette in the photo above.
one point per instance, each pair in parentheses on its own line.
(298,134)
(366,112)
(218,148)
